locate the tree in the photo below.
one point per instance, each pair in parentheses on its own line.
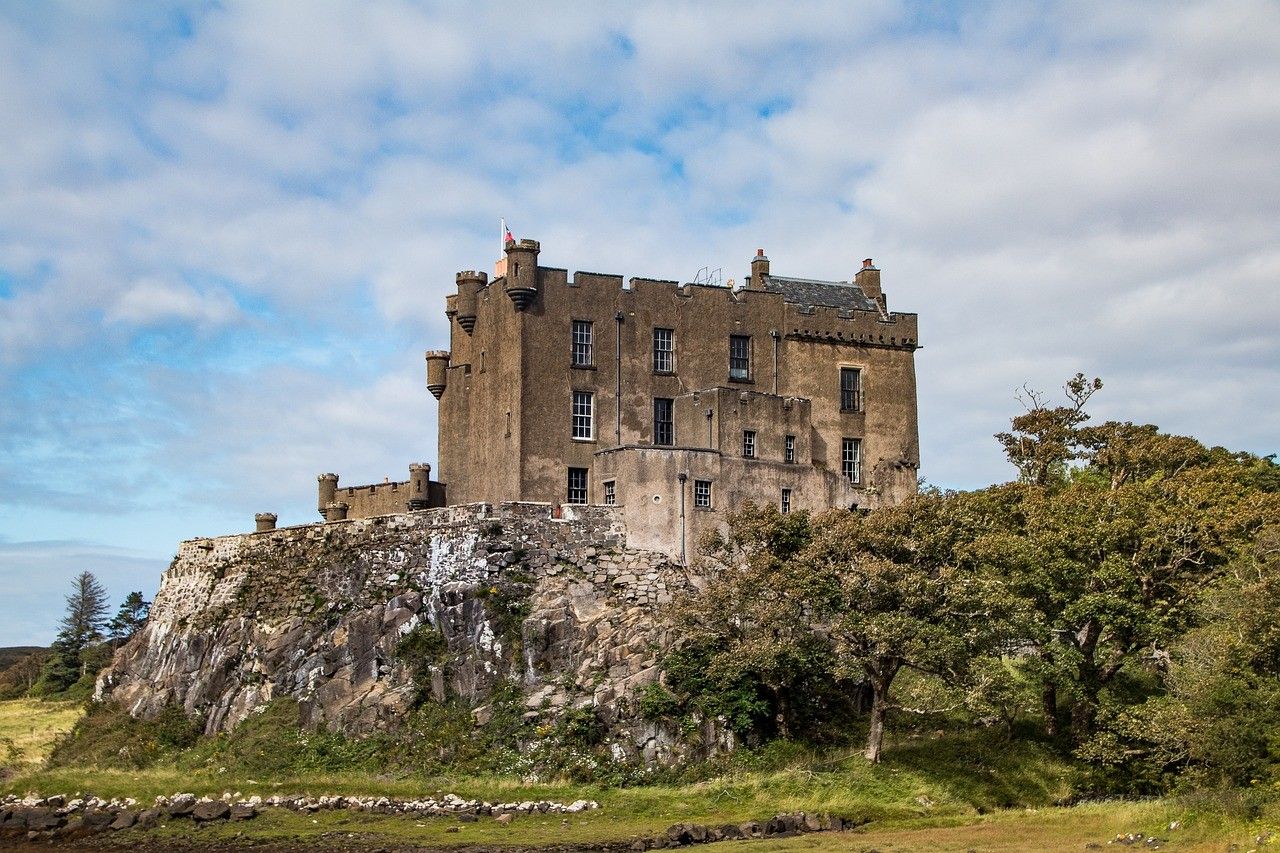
(1110,556)
(86,615)
(1045,440)
(81,627)
(131,616)
(754,620)
(901,599)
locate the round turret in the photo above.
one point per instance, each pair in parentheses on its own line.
(419,485)
(264,521)
(328,491)
(469,283)
(522,273)
(437,372)
(336,511)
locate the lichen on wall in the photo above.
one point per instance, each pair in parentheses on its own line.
(320,613)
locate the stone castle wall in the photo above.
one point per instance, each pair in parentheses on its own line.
(316,613)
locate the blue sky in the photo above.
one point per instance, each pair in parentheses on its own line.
(226,229)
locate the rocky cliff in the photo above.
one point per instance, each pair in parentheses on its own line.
(358,620)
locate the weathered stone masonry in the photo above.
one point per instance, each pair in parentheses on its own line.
(315,613)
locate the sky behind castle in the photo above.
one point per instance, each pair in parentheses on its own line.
(227,230)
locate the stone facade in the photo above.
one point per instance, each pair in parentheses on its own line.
(316,613)
(553,382)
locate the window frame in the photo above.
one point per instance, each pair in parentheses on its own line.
(854,394)
(584,488)
(582,345)
(741,373)
(703,498)
(670,422)
(851,459)
(669,352)
(748,444)
(785,502)
(789,449)
(575,415)
(610,492)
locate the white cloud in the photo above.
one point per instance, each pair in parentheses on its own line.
(152,301)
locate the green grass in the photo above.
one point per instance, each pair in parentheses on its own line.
(29,728)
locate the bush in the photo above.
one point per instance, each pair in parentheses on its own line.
(107,737)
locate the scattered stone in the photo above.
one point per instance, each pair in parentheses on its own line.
(214,810)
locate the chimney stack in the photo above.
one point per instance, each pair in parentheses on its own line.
(759,270)
(868,281)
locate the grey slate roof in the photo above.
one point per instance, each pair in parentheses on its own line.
(832,294)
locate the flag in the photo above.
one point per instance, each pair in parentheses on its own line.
(506,234)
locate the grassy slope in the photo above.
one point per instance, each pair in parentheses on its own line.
(32,726)
(949,793)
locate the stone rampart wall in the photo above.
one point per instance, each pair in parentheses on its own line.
(316,613)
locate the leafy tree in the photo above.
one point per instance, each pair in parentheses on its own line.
(901,600)
(131,616)
(754,622)
(1046,439)
(1111,556)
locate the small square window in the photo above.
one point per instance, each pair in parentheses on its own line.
(577,491)
(749,443)
(581,344)
(610,496)
(789,451)
(786,500)
(702,494)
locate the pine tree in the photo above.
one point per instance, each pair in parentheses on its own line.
(86,612)
(133,613)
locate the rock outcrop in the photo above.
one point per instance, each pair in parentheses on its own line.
(320,613)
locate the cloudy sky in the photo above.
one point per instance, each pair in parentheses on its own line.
(226,230)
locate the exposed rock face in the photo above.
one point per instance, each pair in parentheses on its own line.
(316,613)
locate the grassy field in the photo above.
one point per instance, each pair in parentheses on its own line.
(28,728)
(952,793)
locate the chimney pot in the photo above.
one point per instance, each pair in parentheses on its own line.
(866,265)
(759,253)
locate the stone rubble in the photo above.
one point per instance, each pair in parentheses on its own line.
(61,817)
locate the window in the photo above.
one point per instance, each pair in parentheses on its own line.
(739,357)
(749,443)
(610,495)
(583,423)
(786,500)
(851,459)
(664,350)
(577,492)
(789,453)
(850,389)
(702,494)
(581,341)
(664,428)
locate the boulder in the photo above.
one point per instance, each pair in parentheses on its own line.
(216,810)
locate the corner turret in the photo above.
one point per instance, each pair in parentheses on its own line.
(437,371)
(419,485)
(328,492)
(469,284)
(521,281)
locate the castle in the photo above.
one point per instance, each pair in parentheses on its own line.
(674,403)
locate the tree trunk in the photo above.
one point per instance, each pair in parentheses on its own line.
(782,715)
(1083,715)
(1049,705)
(880,681)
